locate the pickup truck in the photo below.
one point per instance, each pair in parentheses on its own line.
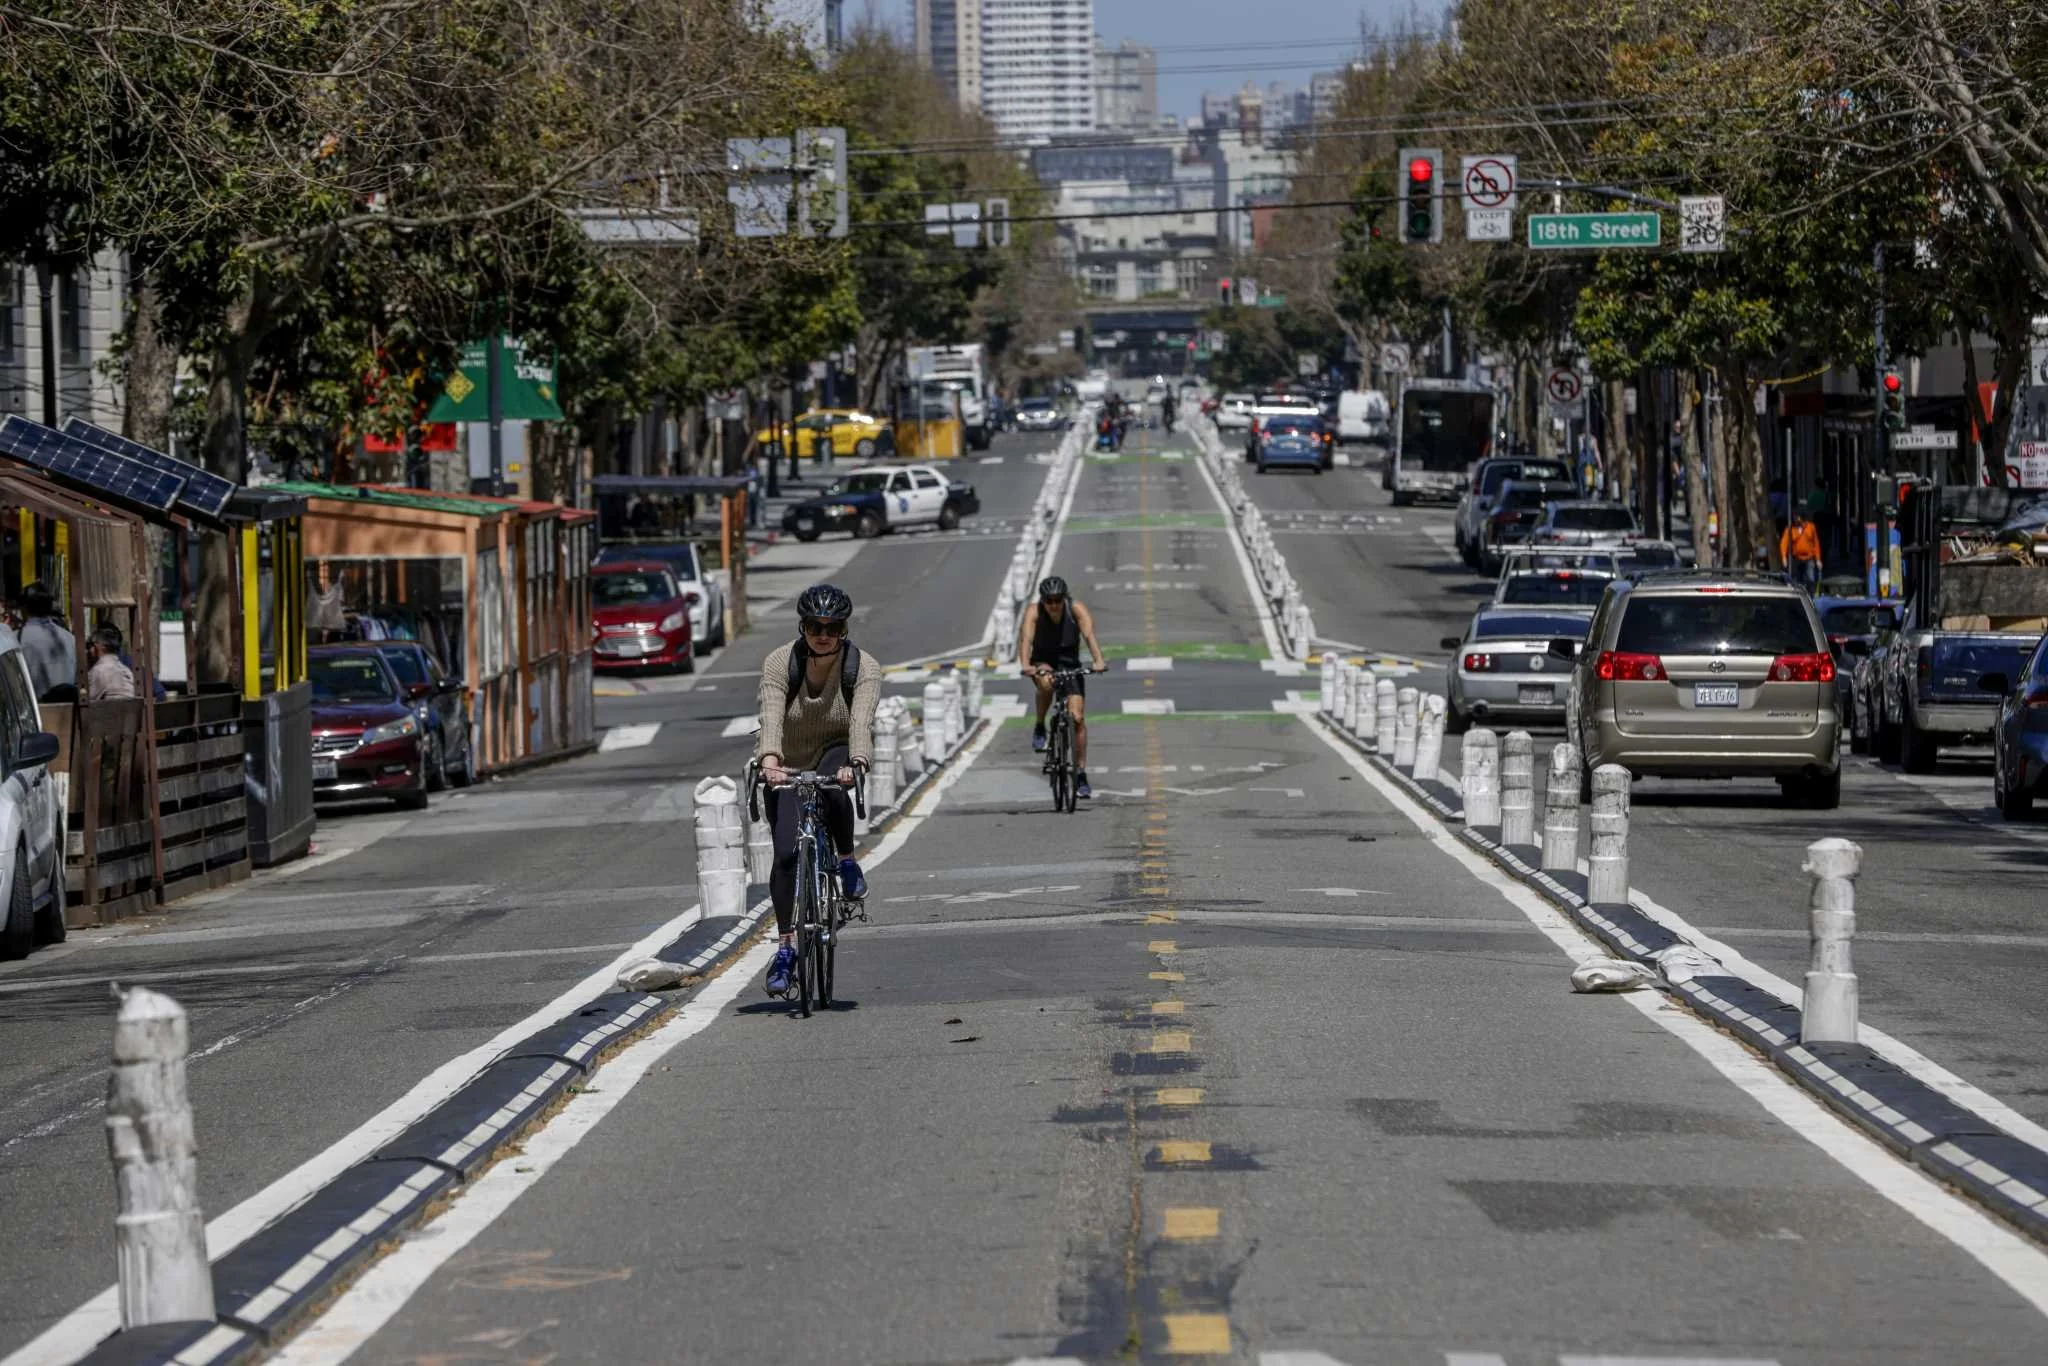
(1930,693)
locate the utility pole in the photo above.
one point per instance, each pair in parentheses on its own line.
(48,316)
(1877,369)
(494,402)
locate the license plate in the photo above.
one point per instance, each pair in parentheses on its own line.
(1716,695)
(1536,692)
(323,768)
(628,649)
(806,524)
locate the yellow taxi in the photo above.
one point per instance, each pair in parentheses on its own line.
(846,432)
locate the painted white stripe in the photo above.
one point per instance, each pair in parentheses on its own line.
(1150,664)
(740,725)
(1148,706)
(628,737)
(368,1305)
(2022,1266)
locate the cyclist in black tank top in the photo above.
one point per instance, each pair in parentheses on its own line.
(1051,638)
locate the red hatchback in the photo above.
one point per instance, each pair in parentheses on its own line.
(642,618)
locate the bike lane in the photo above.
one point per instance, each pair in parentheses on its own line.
(1231,1063)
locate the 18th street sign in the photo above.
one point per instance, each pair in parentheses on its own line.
(1594,231)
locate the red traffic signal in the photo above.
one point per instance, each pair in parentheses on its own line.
(1892,382)
(1421,170)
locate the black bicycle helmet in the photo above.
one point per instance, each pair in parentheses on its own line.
(1053,587)
(824,602)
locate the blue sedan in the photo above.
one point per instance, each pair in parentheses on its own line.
(1290,448)
(2020,741)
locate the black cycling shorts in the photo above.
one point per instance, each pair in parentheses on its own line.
(1077,688)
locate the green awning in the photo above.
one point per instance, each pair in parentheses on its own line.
(526,388)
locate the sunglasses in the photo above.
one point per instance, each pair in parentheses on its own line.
(825,628)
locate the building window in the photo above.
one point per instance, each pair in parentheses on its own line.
(73,292)
(10,312)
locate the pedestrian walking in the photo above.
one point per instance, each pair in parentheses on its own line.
(51,650)
(1799,547)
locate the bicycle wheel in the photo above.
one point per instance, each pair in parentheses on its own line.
(806,927)
(827,951)
(1062,779)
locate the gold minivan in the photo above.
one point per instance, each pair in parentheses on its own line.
(1706,674)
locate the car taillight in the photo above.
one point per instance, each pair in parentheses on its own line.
(1478,664)
(2037,698)
(1812,668)
(1923,662)
(1618,667)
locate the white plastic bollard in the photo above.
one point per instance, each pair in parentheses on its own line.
(1607,864)
(909,748)
(974,687)
(1561,809)
(1518,789)
(1404,727)
(882,777)
(1429,739)
(159,1230)
(1364,711)
(1347,695)
(1831,996)
(1006,631)
(761,845)
(1479,776)
(956,708)
(721,848)
(1326,700)
(933,722)
(1384,700)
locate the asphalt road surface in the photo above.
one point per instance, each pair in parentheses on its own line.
(1245,1061)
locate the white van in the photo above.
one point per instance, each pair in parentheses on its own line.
(1362,415)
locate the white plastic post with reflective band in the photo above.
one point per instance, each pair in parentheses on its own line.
(1404,727)
(1429,739)
(934,722)
(721,848)
(1479,776)
(1326,700)
(1006,630)
(1383,702)
(159,1230)
(1347,694)
(1561,809)
(1829,1015)
(1607,864)
(1364,710)
(974,689)
(760,849)
(1518,789)
(956,708)
(909,748)
(882,778)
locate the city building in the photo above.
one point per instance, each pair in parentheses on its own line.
(821,22)
(1102,160)
(948,38)
(1038,67)
(1126,88)
(87,312)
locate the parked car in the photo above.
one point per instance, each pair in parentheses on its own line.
(1504,668)
(1585,521)
(442,704)
(1515,511)
(31,814)
(1930,694)
(1852,625)
(844,432)
(1592,559)
(2019,740)
(367,736)
(1558,589)
(1040,415)
(640,618)
(1708,675)
(1647,557)
(868,502)
(1483,488)
(701,589)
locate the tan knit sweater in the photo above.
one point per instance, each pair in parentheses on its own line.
(802,728)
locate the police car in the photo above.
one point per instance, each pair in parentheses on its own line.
(879,498)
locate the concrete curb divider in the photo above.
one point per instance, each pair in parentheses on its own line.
(265,1288)
(2006,1175)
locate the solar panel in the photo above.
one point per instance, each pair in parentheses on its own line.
(88,466)
(204,490)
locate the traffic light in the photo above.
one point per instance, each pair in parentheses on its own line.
(1223,292)
(1892,397)
(1421,210)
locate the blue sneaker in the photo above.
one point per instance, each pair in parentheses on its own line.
(1081,788)
(1038,739)
(781,969)
(853,884)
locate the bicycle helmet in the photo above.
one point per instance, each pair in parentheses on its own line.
(1053,587)
(824,602)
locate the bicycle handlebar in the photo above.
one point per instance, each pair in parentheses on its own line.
(756,783)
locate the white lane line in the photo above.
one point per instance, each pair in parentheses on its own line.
(371,1302)
(628,737)
(1150,664)
(740,725)
(384,1290)
(989,460)
(1244,565)
(1148,706)
(2018,1263)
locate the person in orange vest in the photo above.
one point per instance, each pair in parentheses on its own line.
(1799,547)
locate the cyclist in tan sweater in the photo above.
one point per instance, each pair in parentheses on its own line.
(825,723)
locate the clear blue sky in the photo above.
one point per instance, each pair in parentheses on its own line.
(1220,44)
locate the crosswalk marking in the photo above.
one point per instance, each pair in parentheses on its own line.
(1150,664)
(740,725)
(1148,706)
(628,737)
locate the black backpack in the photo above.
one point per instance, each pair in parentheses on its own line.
(849,672)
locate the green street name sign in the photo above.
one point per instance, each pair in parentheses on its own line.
(1594,231)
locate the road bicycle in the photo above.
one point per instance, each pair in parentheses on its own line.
(1060,766)
(821,909)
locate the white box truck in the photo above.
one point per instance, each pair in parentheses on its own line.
(955,369)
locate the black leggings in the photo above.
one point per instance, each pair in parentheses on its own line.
(783,809)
